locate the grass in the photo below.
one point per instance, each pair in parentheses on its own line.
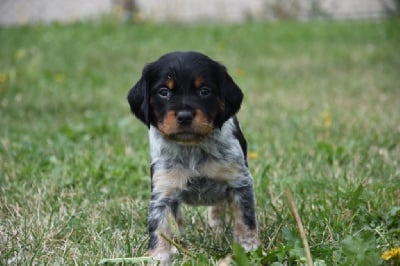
(321,115)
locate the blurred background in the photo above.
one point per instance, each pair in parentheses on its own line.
(22,11)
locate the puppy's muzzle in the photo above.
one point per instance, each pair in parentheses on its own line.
(189,129)
(187,133)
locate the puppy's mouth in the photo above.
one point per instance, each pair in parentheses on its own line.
(187,137)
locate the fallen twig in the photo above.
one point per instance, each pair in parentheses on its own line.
(178,247)
(126,260)
(303,236)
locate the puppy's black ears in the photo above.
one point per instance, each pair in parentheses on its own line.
(139,100)
(231,96)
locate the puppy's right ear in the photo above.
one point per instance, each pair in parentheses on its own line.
(139,100)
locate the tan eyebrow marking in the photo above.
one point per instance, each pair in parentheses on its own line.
(198,82)
(169,83)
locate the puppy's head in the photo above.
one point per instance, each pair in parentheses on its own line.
(185,95)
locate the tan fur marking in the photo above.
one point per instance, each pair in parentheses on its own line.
(169,125)
(220,171)
(215,215)
(170,181)
(198,82)
(201,124)
(169,83)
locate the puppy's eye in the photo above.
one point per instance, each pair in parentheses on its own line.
(164,93)
(204,92)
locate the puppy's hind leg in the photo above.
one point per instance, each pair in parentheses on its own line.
(216,217)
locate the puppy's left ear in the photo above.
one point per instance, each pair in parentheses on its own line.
(231,96)
(138,99)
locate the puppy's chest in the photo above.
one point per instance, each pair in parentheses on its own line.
(197,178)
(184,173)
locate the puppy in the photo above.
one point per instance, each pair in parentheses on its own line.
(198,152)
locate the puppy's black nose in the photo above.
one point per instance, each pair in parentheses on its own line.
(184,117)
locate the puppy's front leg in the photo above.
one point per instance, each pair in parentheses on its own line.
(245,224)
(158,223)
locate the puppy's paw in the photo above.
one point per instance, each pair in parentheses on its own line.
(174,250)
(161,257)
(249,241)
(250,245)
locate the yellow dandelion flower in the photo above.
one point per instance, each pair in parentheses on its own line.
(3,78)
(239,72)
(327,119)
(20,53)
(221,45)
(59,77)
(393,253)
(253,155)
